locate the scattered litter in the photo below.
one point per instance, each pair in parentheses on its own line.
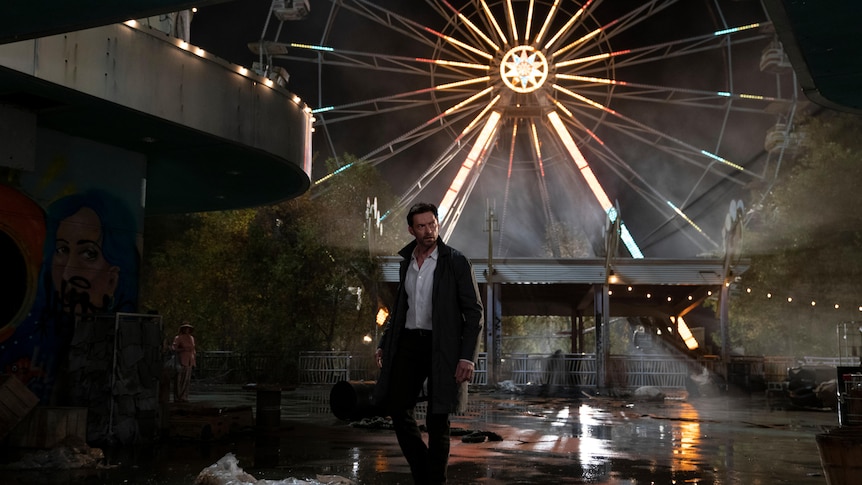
(475,436)
(373,423)
(227,472)
(510,387)
(649,393)
(70,454)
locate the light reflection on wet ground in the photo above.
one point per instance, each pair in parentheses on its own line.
(715,441)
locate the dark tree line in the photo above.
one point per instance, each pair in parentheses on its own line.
(805,247)
(283,278)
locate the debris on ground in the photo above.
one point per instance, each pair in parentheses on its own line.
(475,436)
(70,454)
(228,472)
(373,423)
(509,386)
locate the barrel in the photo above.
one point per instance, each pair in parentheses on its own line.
(268,409)
(353,400)
(841,455)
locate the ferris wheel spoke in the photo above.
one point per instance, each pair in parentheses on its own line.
(470,27)
(410,138)
(394,147)
(660,202)
(540,172)
(398,145)
(698,156)
(390,20)
(694,98)
(610,29)
(395,102)
(567,26)
(436,167)
(417,66)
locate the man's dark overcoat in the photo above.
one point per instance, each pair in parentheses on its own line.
(457,319)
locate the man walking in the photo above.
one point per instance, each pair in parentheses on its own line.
(432,334)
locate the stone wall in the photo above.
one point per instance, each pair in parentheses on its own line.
(115,363)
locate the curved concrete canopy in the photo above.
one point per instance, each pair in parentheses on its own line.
(822,40)
(27,20)
(215,136)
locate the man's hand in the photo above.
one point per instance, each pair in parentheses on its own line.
(464,371)
(378,354)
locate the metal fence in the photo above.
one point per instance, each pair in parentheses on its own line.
(561,370)
(556,370)
(230,366)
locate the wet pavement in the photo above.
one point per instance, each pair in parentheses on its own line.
(561,440)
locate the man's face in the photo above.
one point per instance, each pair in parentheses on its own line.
(424,229)
(82,276)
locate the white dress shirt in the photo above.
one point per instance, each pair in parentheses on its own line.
(419,284)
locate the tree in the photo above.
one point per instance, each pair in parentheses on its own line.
(292,276)
(805,247)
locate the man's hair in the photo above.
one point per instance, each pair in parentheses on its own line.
(420,208)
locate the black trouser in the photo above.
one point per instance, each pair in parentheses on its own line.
(411,367)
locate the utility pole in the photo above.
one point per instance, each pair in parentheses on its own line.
(732,232)
(602,300)
(493,317)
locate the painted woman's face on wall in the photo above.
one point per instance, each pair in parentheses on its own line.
(83,278)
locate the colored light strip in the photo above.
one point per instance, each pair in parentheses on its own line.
(736,29)
(475,155)
(687,219)
(723,160)
(312,47)
(592,181)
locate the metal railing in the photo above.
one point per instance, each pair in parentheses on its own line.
(561,370)
(556,370)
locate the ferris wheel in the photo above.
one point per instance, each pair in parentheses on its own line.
(553,114)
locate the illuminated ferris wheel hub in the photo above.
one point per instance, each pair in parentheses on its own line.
(524,69)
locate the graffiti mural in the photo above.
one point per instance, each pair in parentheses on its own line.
(70,234)
(89,266)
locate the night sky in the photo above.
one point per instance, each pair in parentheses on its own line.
(639,176)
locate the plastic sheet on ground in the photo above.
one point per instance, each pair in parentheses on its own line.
(228,472)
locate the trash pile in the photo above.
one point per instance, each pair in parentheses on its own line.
(228,472)
(70,454)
